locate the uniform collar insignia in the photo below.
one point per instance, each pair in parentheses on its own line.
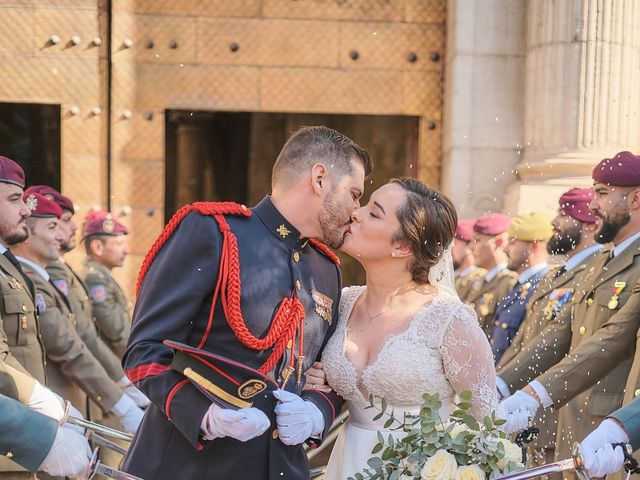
(283,231)
(278,225)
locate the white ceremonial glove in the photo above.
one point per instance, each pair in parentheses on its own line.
(69,455)
(604,461)
(515,422)
(128,412)
(503,389)
(44,401)
(600,458)
(297,419)
(136,395)
(244,424)
(518,401)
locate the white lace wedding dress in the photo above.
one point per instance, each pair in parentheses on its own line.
(443,350)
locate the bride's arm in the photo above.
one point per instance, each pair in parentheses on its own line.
(468,362)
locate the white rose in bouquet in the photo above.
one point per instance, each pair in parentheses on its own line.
(512,453)
(470,472)
(442,466)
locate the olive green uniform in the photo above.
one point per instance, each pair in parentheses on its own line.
(486,295)
(71,366)
(111,308)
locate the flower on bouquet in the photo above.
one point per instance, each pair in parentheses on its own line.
(430,448)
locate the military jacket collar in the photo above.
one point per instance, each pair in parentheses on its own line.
(278,225)
(604,267)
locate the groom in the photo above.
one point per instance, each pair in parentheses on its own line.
(274,315)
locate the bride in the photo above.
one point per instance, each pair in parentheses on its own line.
(406,332)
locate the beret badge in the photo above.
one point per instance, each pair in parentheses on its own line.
(32,203)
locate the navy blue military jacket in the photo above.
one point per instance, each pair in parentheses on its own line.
(174,303)
(510,313)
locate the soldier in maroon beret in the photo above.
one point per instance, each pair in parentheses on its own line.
(72,370)
(602,332)
(70,284)
(573,243)
(489,240)
(466,271)
(105,241)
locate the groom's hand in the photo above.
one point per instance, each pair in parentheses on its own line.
(243,424)
(297,419)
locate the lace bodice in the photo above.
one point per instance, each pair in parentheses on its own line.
(443,350)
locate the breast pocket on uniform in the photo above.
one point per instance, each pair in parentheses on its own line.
(18,309)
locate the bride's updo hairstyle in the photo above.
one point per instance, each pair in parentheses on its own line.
(428,222)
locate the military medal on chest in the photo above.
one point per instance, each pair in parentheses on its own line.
(15,284)
(525,290)
(485,301)
(618,287)
(557,299)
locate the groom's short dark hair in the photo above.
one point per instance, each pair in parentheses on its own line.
(310,145)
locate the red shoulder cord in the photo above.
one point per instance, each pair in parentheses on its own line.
(290,314)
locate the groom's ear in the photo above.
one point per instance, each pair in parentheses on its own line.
(401,250)
(319,179)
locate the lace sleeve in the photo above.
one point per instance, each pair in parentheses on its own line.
(468,362)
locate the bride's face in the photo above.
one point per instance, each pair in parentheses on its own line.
(373,225)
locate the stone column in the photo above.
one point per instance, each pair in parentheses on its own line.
(582,94)
(193,155)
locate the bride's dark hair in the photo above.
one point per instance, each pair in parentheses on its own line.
(428,222)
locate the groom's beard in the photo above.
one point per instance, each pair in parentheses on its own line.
(333,230)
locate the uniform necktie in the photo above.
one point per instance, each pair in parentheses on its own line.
(16,263)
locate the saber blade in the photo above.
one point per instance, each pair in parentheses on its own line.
(561,466)
(100,469)
(103,442)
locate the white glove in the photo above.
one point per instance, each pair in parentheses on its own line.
(503,389)
(297,419)
(69,455)
(46,402)
(129,413)
(520,400)
(516,421)
(136,395)
(600,458)
(243,424)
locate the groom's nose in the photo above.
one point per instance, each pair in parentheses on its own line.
(355,216)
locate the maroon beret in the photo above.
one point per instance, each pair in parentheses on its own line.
(464,230)
(102,223)
(11,172)
(623,170)
(576,202)
(41,207)
(52,194)
(492,224)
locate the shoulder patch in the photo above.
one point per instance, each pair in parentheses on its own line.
(98,293)
(318,245)
(62,285)
(40,303)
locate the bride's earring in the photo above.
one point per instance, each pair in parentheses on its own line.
(393,254)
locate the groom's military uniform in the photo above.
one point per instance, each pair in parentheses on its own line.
(187,294)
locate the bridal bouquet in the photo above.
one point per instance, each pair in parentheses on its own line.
(460,448)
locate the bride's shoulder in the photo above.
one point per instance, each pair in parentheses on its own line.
(349,295)
(451,309)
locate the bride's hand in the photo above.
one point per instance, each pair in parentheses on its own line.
(316,379)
